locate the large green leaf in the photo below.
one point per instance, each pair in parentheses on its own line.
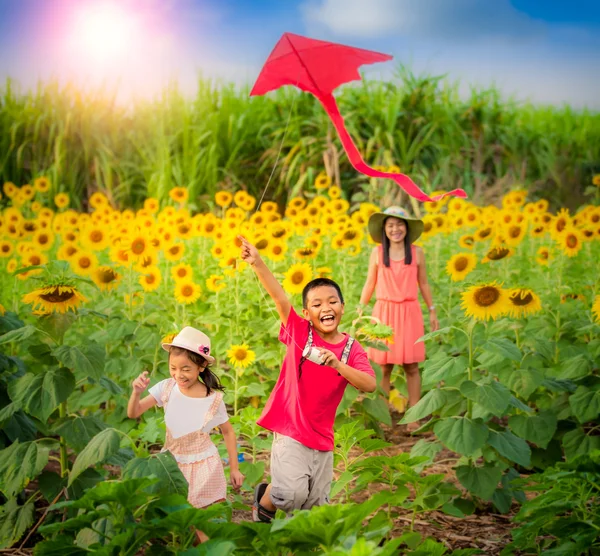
(18,335)
(430,402)
(162,466)
(79,430)
(503,347)
(461,435)
(40,394)
(101,447)
(15,520)
(585,404)
(577,443)
(538,429)
(511,447)
(525,382)
(480,481)
(493,396)
(377,409)
(20,463)
(573,368)
(86,359)
(444,368)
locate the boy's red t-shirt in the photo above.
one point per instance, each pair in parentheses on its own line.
(304,407)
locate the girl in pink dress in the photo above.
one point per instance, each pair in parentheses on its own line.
(193,403)
(396,272)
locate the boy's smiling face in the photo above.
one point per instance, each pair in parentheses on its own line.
(324,309)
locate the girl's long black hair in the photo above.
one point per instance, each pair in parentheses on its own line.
(385,242)
(208,378)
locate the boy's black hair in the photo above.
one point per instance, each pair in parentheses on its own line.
(317,283)
(210,379)
(385,242)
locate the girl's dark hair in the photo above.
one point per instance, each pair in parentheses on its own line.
(385,242)
(208,378)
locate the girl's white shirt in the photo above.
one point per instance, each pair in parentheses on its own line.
(184,414)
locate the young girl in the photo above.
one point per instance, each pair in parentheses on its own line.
(396,268)
(193,402)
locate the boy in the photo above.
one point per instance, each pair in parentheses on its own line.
(301,409)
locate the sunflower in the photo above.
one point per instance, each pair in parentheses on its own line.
(486,301)
(497,253)
(66,251)
(58,298)
(215,283)
(297,276)
(98,200)
(179,194)
(106,278)
(523,302)
(151,205)
(149,259)
(460,265)
(558,224)
(94,237)
(433,207)
(42,184)
(572,297)
(543,256)
(240,356)
(324,272)
(297,203)
(571,241)
(593,216)
(182,271)
(514,234)
(334,192)
(596,180)
(467,241)
(596,308)
(322,181)
(339,206)
(150,278)
(187,292)
(174,252)
(43,240)
(83,263)
(305,253)
(27,192)
(2,310)
(10,189)
(277,251)
(6,249)
(137,245)
(223,198)
(258,220)
(62,200)
(11,266)
(33,258)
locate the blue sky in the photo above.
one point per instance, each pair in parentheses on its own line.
(546,52)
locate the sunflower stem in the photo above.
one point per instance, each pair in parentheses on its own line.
(235,391)
(64,461)
(470,368)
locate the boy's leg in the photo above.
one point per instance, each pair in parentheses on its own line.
(319,483)
(387,375)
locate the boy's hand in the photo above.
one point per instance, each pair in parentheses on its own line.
(249,253)
(329,358)
(236,479)
(141,383)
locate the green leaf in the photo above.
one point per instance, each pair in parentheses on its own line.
(40,394)
(101,447)
(461,435)
(425,448)
(573,368)
(444,368)
(87,359)
(585,404)
(576,443)
(6,413)
(493,396)
(480,481)
(525,382)
(435,333)
(503,347)
(78,430)
(162,466)
(345,478)
(511,447)
(538,429)
(430,402)
(377,409)
(21,463)
(253,472)
(18,335)
(15,520)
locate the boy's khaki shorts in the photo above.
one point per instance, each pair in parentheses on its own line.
(300,476)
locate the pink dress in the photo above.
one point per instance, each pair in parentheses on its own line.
(198,458)
(398,306)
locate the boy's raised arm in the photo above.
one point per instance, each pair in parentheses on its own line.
(251,255)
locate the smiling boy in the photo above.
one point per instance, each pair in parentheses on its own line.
(302,407)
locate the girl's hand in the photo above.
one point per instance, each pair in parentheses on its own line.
(329,358)
(249,253)
(141,383)
(236,479)
(433,321)
(360,310)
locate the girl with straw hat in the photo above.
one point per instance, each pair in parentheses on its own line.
(396,273)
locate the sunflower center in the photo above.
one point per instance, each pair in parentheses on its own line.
(174,250)
(277,250)
(278,233)
(297,277)
(182,272)
(85,262)
(305,251)
(55,297)
(349,235)
(514,231)
(561,224)
(262,244)
(187,291)
(498,253)
(5,248)
(29,226)
(520,300)
(184,229)
(427,227)
(544,255)
(209,227)
(107,276)
(138,246)
(461,263)
(486,296)
(96,236)
(71,250)
(150,278)
(240,354)
(485,232)
(572,241)
(35,260)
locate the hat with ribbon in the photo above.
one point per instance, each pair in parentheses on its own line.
(193,340)
(415,225)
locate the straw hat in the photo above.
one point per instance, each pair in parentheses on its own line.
(192,340)
(415,225)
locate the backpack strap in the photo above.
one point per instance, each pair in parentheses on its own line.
(347,348)
(167,392)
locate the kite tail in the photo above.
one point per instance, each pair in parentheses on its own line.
(409,186)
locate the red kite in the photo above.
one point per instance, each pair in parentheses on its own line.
(319,67)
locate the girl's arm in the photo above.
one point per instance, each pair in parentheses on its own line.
(251,255)
(425,289)
(371,281)
(235,476)
(136,407)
